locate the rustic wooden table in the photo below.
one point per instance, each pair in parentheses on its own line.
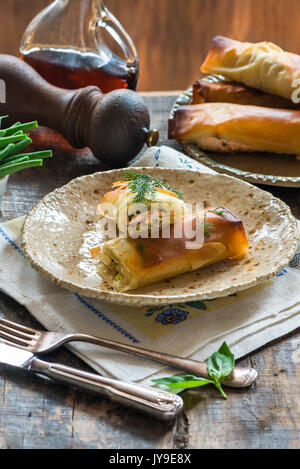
(39,414)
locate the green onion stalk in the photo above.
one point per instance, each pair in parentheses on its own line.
(13,142)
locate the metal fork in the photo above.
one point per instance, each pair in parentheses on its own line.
(36,341)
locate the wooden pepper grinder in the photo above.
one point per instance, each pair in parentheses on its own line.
(115,126)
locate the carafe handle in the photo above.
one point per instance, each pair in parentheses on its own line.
(116,30)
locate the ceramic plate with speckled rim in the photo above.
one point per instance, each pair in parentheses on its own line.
(258,168)
(61,228)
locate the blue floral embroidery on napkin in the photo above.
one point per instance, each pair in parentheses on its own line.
(192,304)
(172,316)
(156,156)
(295,262)
(283,272)
(186,162)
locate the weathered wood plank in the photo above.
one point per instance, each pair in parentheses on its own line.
(36,413)
(266,416)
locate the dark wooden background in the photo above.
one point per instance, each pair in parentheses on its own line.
(173,36)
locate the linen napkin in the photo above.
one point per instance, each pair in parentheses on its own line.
(246,320)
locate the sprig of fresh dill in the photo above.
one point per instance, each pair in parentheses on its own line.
(207,227)
(218,211)
(143,185)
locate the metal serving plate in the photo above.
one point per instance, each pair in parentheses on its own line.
(258,168)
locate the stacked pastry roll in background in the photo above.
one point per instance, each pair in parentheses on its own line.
(249,104)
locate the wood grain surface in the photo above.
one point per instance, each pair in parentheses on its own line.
(172,36)
(39,414)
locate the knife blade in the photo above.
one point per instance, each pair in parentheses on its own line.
(160,404)
(14,356)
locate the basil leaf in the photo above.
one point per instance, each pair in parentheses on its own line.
(221,363)
(183,382)
(220,389)
(174,379)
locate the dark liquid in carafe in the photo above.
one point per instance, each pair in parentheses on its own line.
(72,69)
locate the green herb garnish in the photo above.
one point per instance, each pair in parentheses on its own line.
(141,246)
(218,211)
(183,382)
(144,186)
(220,366)
(14,140)
(207,227)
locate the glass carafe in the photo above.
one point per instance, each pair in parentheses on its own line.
(66,44)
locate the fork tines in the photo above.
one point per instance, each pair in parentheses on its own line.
(15,334)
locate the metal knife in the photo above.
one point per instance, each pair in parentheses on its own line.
(157,403)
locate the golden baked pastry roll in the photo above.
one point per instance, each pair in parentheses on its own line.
(263,65)
(228,128)
(225,91)
(140,201)
(127,264)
